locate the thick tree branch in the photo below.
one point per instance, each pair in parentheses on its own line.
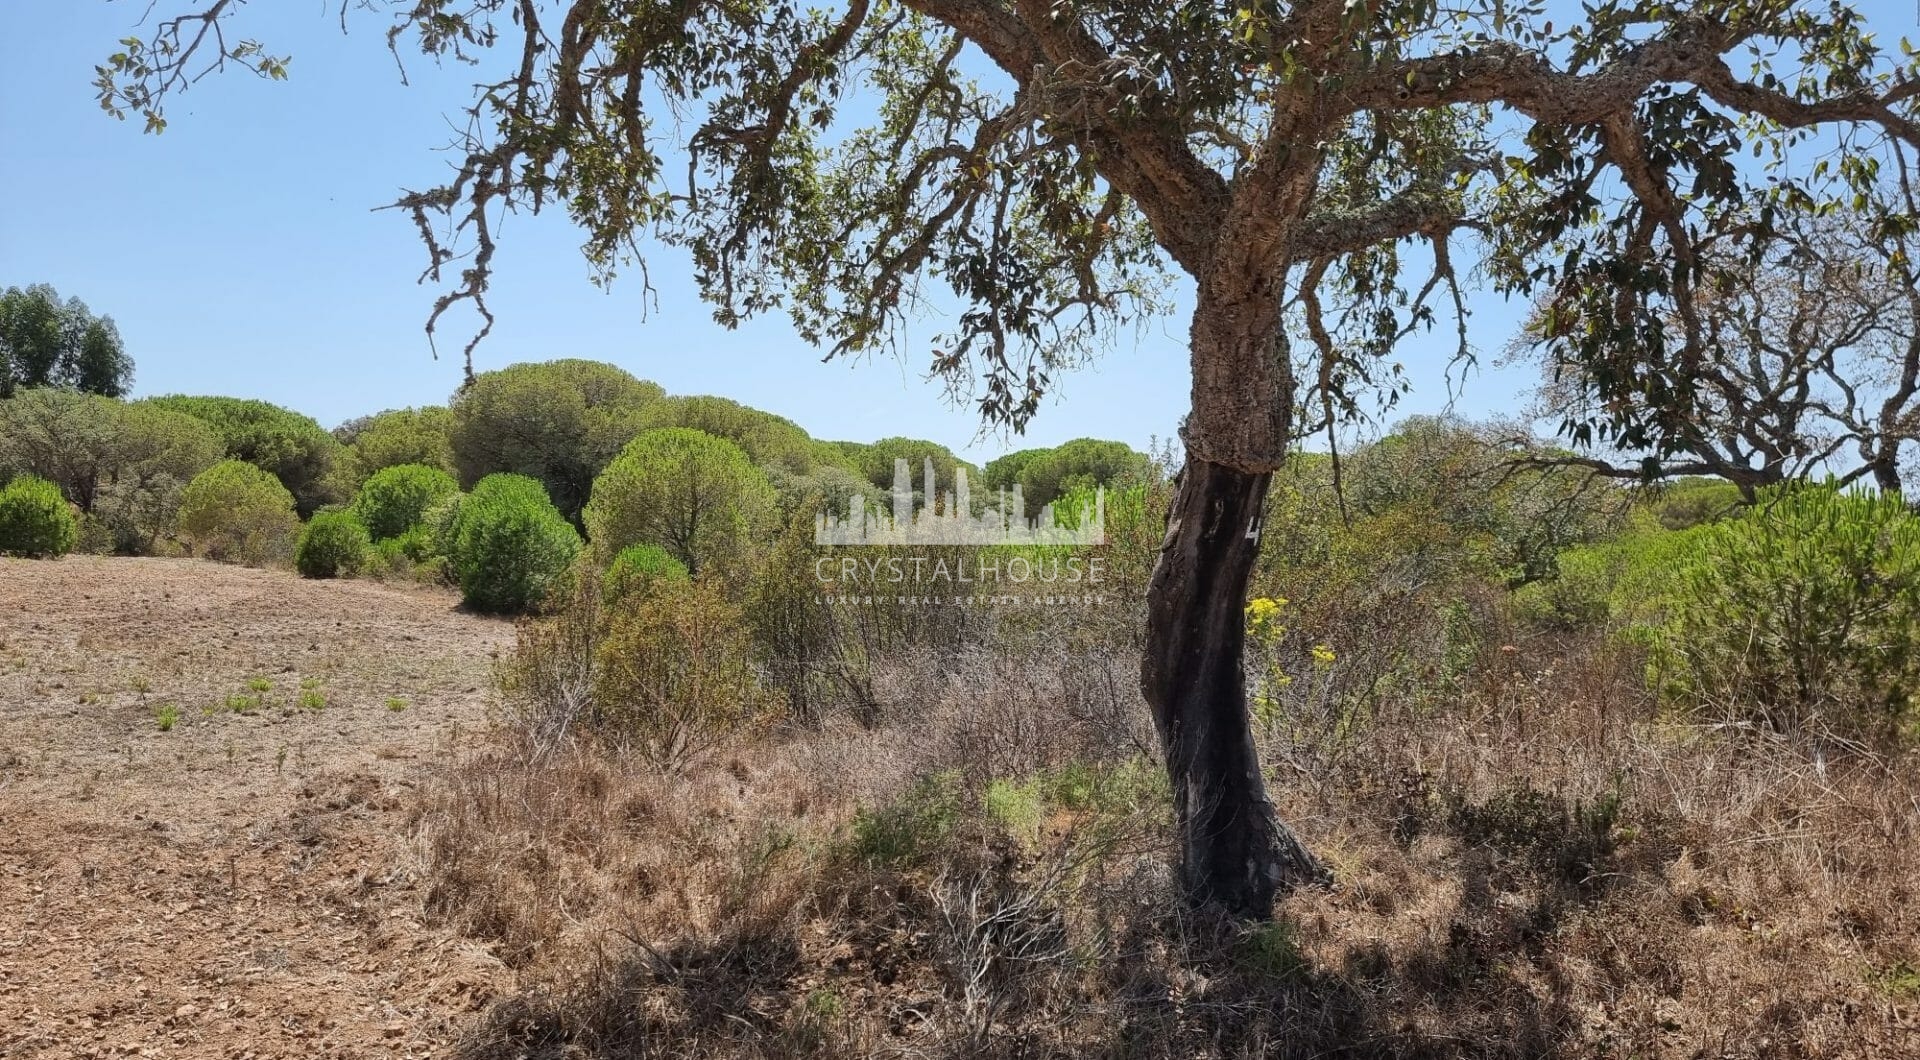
(1419,211)
(1506,74)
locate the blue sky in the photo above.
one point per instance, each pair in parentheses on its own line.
(240,254)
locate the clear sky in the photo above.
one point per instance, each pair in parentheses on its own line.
(240,254)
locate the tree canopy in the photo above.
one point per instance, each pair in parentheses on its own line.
(1810,363)
(394,437)
(695,495)
(237,512)
(291,447)
(875,461)
(88,445)
(1003,472)
(1043,162)
(772,441)
(1079,464)
(559,422)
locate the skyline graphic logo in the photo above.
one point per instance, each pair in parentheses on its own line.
(948,519)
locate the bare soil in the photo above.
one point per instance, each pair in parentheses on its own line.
(241,885)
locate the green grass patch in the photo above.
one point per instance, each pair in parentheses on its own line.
(910,828)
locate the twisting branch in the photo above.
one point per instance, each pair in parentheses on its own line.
(173,57)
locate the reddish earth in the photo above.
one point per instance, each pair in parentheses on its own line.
(243,884)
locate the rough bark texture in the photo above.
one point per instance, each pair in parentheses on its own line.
(1234,852)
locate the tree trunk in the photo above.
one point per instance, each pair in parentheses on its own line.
(1234,852)
(1886,468)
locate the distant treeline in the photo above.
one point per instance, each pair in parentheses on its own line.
(45,341)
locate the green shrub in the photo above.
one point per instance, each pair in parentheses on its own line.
(334,543)
(440,521)
(436,571)
(35,520)
(379,565)
(1691,501)
(391,438)
(1578,596)
(415,546)
(1124,789)
(293,448)
(1272,951)
(1014,807)
(675,677)
(1106,791)
(122,465)
(695,495)
(1625,585)
(396,499)
(913,827)
(235,512)
(638,567)
(510,546)
(1806,609)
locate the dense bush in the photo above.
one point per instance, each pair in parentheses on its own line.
(122,464)
(417,545)
(638,567)
(1624,585)
(1692,501)
(293,448)
(559,422)
(235,512)
(396,499)
(697,496)
(828,488)
(440,522)
(35,520)
(334,543)
(1435,503)
(1804,610)
(675,679)
(510,546)
(395,437)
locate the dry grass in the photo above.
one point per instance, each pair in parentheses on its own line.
(1542,868)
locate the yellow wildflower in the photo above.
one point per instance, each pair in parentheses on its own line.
(1263,613)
